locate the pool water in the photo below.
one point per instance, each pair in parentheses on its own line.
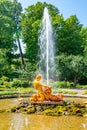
(18,121)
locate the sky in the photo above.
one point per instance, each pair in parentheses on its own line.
(66,7)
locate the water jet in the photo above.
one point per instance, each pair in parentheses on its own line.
(47,45)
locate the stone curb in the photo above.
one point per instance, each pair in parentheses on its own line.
(28,95)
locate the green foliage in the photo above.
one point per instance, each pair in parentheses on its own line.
(69,37)
(8,93)
(8,28)
(6,25)
(63,84)
(29,72)
(16,83)
(30,24)
(81,86)
(6,84)
(70,41)
(84,36)
(26,84)
(27,90)
(4,78)
(71,68)
(4,64)
(20,83)
(65,91)
(85,92)
(59,84)
(1,82)
(49,112)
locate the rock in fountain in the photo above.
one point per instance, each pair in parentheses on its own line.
(44,92)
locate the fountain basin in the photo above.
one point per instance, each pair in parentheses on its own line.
(38,121)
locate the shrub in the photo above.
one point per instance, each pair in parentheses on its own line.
(1,82)
(6,84)
(26,84)
(16,83)
(59,84)
(70,84)
(81,86)
(29,72)
(4,78)
(63,84)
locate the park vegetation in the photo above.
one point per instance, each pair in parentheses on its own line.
(16,25)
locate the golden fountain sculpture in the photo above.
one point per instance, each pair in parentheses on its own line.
(44,92)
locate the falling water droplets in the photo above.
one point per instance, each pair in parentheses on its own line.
(46,43)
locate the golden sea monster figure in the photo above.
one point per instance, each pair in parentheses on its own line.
(44,92)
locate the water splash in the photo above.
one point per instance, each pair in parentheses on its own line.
(46,43)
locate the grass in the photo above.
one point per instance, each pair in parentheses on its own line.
(27,90)
(81,86)
(85,92)
(65,91)
(22,91)
(8,93)
(7,89)
(13,90)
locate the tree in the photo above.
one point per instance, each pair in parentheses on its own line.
(29,72)
(78,68)
(6,31)
(71,68)
(69,40)
(6,25)
(62,67)
(30,24)
(4,64)
(8,28)
(17,8)
(84,37)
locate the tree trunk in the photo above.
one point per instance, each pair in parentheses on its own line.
(76,79)
(20,50)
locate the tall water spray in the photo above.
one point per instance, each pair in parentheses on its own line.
(46,43)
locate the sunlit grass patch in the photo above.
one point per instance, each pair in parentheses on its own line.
(65,91)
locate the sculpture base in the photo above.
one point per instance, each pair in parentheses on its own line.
(48,102)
